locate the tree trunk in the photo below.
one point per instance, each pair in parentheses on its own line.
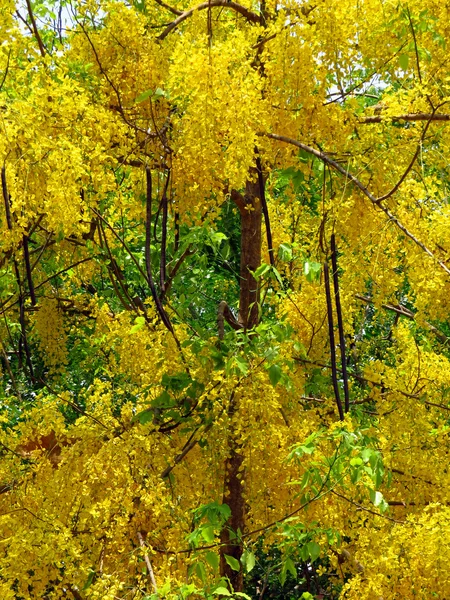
(250,208)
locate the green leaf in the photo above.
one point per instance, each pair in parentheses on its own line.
(164,400)
(241,364)
(139,324)
(261,270)
(378,500)
(275,374)
(177,382)
(213,559)
(248,560)
(201,571)
(277,275)
(403,60)
(159,93)
(144,417)
(242,595)
(312,271)
(232,562)
(285,252)
(208,534)
(221,591)
(313,550)
(291,567)
(89,580)
(144,96)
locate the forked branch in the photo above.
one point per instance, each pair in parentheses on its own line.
(343,171)
(247,14)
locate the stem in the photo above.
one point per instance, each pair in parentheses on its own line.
(337,300)
(332,343)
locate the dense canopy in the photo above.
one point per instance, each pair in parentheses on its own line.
(225,292)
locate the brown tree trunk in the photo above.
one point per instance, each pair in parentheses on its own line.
(249,205)
(250,208)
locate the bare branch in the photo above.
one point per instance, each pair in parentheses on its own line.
(332,344)
(249,15)
(148,564)
(265,210)
(173,10)
(337,299)
(5,74)
(410,166)
(405,312)
(407,117)
(224,314)
(35,29)
(148,264)
(340,169)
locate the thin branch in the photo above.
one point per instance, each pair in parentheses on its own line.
(35,29)
(265,210)
(337,299)
(340,169)
(224,314)
(164,208)
(407,117)
(6,199)
(189,445)
(148,258)
(148,564)
(26,255)
(188,252)
(249,15)
(368,510)
(415,44)
(79,262)
(73,405)
(332,344)
(173,10)
(405,312)
(410,166)
(6,71)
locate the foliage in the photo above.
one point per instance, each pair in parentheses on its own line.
(225,366)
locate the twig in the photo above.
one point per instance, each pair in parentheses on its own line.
(148,564)
(410,166)
(249,15)
(148,258)
(164,207)
(407,117)
(337,167)
(368,510)
(6,71)
(35,29)
(26,255)
(173,10)
(337,299)
(405,312)
(331,337)
(415,44)
(265,210)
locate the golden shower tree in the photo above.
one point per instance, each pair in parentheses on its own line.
(224,299)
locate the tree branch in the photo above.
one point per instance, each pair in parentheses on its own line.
(148,564)
(340,169)
(265,210)
(337,299)
(406,117)
(249,15)
(224,314)
(35,29)
(332,344)
(173,10)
